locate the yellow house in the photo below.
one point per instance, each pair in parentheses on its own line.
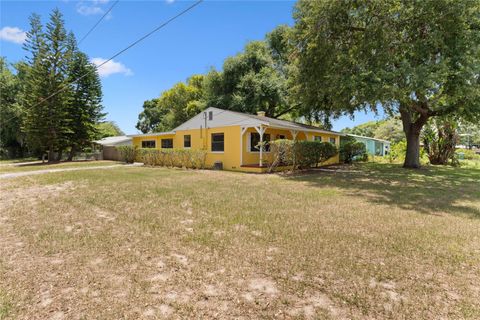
(232,138)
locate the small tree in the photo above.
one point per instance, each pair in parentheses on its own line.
(351,149)
(439,141)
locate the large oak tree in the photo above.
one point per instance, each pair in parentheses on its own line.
(417,58)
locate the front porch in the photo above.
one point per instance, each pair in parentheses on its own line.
(256,159)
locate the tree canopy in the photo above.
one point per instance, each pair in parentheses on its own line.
(53,100)
(255,79)
(388,129)
(420,59)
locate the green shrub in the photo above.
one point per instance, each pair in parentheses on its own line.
(312,153)
(302,154)
(352,149)
(468,154)
(181,158)
(282,153)
(128,154)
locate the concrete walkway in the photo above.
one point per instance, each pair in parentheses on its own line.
(36,172)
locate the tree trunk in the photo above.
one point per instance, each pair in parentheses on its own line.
(51,153)
(71,154)
(412,156)
(59,155)
(412,132)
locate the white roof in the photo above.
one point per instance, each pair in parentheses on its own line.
(367,138)
(153,134)
(113,141)
(225,118)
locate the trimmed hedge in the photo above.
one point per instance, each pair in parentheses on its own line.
(128,154)
(301,154)
(181,158)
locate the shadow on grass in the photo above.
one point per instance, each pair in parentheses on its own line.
(429,190)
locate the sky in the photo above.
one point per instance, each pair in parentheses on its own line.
(192,44)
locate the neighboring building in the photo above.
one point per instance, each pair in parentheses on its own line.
(231,138)
(376,147)
(109,144)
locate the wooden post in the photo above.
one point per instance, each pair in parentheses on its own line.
(261,131)
(242,132)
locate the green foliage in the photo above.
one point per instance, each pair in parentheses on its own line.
(108,129)
(397,151)
(181,158)
(312,153)
(417,58)
(60,112)
(301,154)
(282,151)
(128,154)
(468,154)
(173,107)
(351,150)
(84,108)
(439,141)
(12,140)
(254,80)
(389,129)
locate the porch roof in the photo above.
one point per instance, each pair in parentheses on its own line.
(285,124)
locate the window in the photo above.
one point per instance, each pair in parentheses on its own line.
(148,144)
(218,142)
(210,115)
(167,143)
(332,140)
(280,136)
(255,140)
(187,141)
(317,138)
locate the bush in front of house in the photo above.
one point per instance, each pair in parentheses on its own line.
(128,154)
(301,154)
(181,158)
(352,149)
(282,151)
(312,153)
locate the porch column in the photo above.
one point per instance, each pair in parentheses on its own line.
(242,132)
(294,134)
(261,131)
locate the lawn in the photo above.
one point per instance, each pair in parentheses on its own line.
(11,167)
(367,241)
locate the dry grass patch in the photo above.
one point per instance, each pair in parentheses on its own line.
(377,242)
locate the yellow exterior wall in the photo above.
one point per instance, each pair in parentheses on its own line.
(201,139)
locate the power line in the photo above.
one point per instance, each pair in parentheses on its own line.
(122,51)
(98,22)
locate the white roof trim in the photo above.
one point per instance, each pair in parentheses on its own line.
(368,138)
(152,134)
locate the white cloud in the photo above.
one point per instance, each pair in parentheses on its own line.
(13,34)
(111,67)
(88,8)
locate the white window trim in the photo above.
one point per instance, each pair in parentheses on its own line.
(212,141)
(249,139)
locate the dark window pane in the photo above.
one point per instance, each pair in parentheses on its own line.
(318,138)
(187,141)
(332,140)
(210,115)
(148,144)
(218,142)
(255,140)
(167,143)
